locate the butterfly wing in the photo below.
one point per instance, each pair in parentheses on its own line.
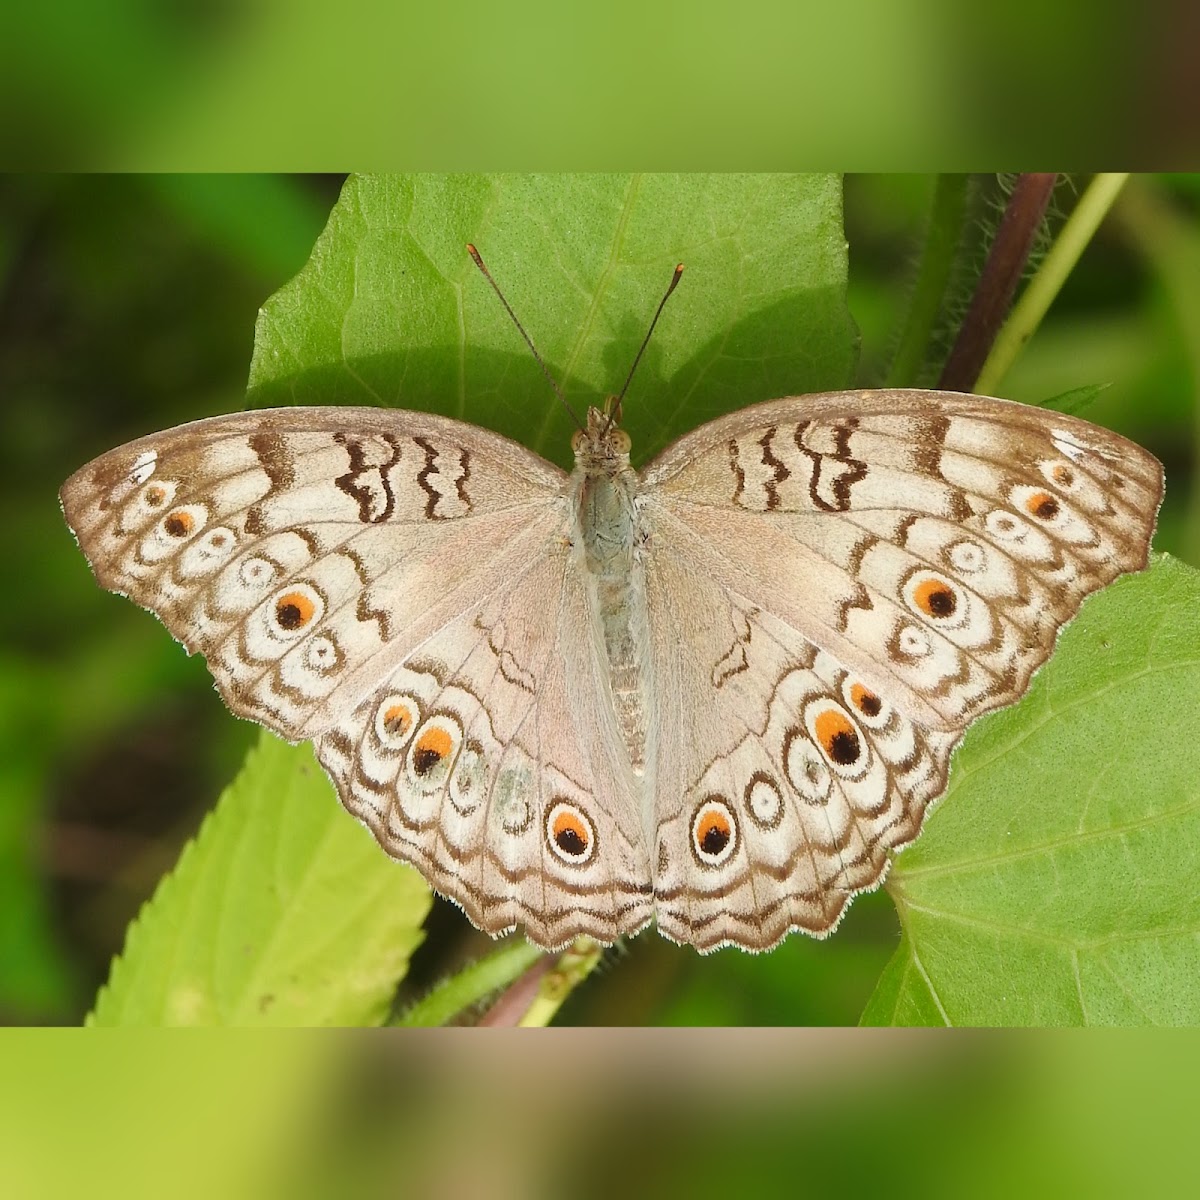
(305,552)
(393,585)
(869,572)
(491,760)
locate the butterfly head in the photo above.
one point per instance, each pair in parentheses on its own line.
(602,446)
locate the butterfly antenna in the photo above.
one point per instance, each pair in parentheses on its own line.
(616,408)
(521,330)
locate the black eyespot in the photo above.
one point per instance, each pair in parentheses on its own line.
(569,842)
(935,598)
(289,616)
(844,748)
(1042,506)
(570,833)
(941,603)
(424,760)
(713,832)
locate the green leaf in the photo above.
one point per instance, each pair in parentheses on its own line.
(1055,884)
(1077,401)
(390,309)
(283,911)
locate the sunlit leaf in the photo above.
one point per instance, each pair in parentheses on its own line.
(1055,883)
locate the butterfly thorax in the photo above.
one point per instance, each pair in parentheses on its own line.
(605,537)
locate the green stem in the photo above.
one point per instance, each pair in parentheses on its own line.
(574,965)
(942,238)
(475,983)
(1028,312)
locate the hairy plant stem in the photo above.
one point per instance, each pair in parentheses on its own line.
(473,984)
(998,281)
(942,239)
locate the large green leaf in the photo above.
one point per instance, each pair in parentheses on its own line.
(283,911)
(391,310)
(1057,881)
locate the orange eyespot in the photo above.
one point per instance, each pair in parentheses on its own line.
(570,833)
(1042,505)
(1063,475)
(397,719)
(294,610)
(155,495)
(935,598)
(865,700)
(838,737)
(433,747)
(713,831)
(714,834)
(435,741)
(179,524)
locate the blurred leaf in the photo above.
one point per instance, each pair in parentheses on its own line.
(1055,884)
(35,983)
(153,1112)
(1077,401)
(283,911)
(390,310)
(259,221)
(1169,237)
(802,982)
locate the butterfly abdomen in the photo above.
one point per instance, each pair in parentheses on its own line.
(606,535)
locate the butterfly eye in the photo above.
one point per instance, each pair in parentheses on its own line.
(579,441)
(622,443)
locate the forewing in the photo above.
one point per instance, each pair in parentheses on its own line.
(934,543)
(306,552)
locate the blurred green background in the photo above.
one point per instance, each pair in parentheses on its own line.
(514,1116)
(128,305)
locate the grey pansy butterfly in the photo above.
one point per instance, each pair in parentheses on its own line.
(715,692)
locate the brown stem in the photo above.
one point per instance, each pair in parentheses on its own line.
(998,280)
(513,1003)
